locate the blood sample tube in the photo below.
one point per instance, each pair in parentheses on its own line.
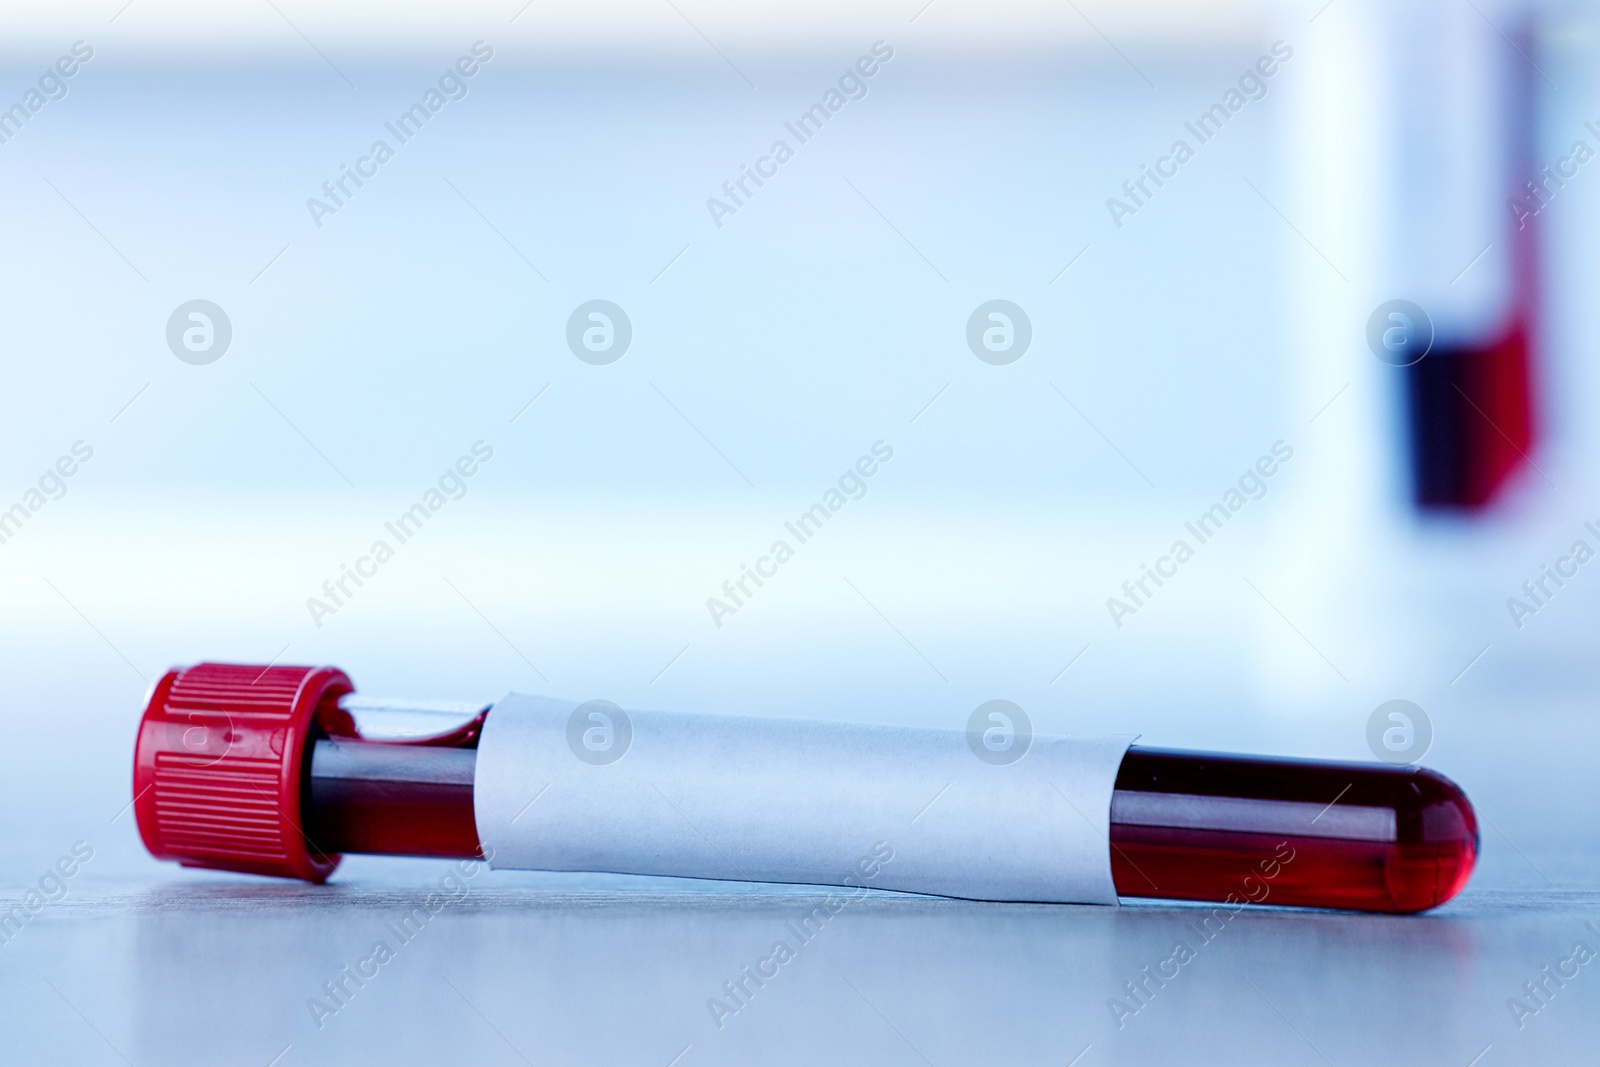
(280,770)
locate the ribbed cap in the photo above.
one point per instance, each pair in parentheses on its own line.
(217,768)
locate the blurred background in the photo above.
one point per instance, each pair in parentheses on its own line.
(1177,335)
(1161,336)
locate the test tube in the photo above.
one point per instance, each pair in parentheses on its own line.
(281,770)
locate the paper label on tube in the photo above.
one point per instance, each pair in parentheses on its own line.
(566,787)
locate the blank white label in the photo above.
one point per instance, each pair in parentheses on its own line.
(783,800)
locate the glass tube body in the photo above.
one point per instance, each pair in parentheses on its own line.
(1184,825)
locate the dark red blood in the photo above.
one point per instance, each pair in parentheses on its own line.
(1431,856)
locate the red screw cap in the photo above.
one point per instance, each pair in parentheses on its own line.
(218,765)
